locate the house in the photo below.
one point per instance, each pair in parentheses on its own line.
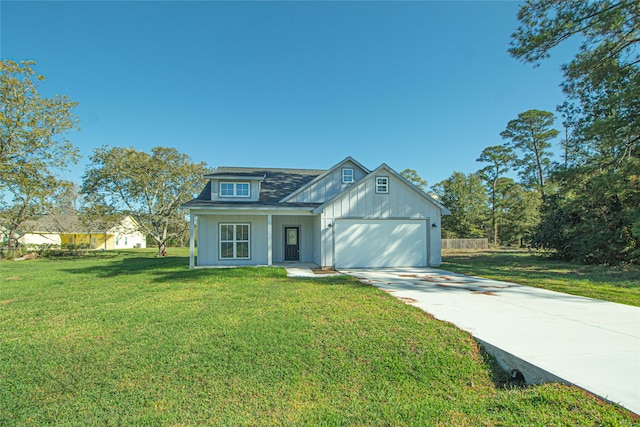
(346,216)
(61,230)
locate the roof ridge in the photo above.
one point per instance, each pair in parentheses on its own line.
(266,168)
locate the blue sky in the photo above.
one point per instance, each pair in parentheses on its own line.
(421,85)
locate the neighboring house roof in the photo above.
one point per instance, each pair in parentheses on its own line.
(66,224)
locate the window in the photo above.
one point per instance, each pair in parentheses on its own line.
(382,184)
(234,241)
(348,175)
(234,189)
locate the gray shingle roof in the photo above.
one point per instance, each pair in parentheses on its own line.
(277,184)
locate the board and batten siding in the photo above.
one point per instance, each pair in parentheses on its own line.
(362,201)
(328,186)
(400,202)
(209,242)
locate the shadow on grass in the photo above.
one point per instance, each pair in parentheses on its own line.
(175,269)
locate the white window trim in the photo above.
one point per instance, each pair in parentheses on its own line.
(235,189)
(386,185)
(234,240)
(353,176)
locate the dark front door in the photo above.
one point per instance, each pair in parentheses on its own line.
(292,243)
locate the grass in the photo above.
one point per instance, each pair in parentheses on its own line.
(615,284)
(124,338)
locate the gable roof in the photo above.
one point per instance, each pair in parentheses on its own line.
(348,159)
(384,167)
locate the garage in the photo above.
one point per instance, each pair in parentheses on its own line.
(380,243)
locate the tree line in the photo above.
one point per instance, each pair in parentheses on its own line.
(586,206)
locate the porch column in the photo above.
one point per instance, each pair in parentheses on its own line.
(192,243)
(269,239)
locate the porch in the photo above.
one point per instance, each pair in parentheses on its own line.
(254,238)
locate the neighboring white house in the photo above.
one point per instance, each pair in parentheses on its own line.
(347,216)
(70,230)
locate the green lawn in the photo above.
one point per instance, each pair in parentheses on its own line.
(615,284)
(123,338)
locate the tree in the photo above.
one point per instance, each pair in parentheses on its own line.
(500,159)
(33,146)
(598,200)
(149,187)
(412,176)
(602,81)
(531,133)
(518,211)
(465,197)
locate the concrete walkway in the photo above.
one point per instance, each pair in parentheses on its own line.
(545,335)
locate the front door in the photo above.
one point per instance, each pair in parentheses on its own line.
(292,243)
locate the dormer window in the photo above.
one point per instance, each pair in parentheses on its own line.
(348,176)
(234,189)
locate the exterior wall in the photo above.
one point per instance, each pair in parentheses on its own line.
(128,241)
(209,244)
(362,201)
(400,202)
(126,236)
(40,239)
(306,236)
(328,186)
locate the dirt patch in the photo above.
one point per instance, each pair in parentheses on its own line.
(7,301)
(484,293)
(408,300)
(13,278)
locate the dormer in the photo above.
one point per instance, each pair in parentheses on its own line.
(229,186)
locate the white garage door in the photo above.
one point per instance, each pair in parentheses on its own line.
(380,243)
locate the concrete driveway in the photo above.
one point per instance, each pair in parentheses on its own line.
(545,335)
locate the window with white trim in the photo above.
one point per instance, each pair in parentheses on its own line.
(234,189)
(382,184)
(234,241)
(348,175)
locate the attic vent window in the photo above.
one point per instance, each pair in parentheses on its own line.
(234,189)
(348,176)
(382,184)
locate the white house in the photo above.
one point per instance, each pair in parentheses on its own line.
(346,216)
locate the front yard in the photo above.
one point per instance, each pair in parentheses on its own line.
(123,338)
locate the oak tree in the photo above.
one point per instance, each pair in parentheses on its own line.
(150,187)
(33,146)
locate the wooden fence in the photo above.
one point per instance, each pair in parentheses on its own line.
(465,243)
